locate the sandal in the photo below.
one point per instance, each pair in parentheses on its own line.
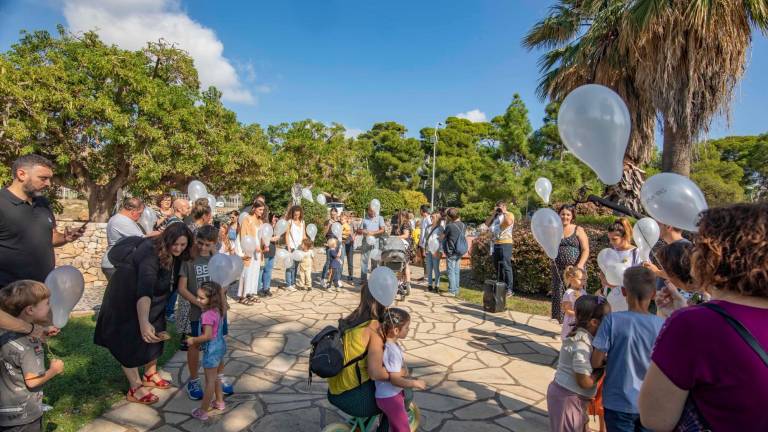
(147,399)
(149,382)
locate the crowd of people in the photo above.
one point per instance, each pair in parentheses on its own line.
(680,344)
(641,355)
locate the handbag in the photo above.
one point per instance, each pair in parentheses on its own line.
(691,419)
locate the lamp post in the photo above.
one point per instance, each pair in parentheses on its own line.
(434,162)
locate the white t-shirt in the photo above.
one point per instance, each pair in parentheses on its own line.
(296,235)
(118,227)
(615,298)
(568,296)
(393,362)
(575,356)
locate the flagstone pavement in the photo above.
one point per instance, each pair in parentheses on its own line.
(485,372)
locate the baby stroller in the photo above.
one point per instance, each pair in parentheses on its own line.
(394,255)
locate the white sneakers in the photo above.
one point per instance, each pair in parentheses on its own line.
(290,288)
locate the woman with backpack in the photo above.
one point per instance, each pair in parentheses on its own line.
(131,321)
(353,390)
(454,246)
(434,234)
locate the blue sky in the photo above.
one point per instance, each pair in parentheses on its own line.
(355,63)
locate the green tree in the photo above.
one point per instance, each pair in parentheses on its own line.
(514,129)
(394,158)
(545,142)
(720,180)
(461,160)
(751,154)
(317,156)
(112,118)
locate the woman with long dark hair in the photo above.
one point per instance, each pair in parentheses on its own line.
(573,251)
(132,317)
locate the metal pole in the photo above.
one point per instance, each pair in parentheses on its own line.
(434,162)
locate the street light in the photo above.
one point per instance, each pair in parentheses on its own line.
(434,162)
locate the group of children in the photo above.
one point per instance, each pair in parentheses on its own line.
(604,356)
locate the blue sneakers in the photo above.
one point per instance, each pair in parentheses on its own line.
(194,390)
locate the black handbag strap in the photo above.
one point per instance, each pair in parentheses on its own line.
(741,330)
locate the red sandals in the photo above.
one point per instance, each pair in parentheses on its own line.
(161,383)
(147,399)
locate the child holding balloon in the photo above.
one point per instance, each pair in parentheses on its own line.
(23,357)
(214,346)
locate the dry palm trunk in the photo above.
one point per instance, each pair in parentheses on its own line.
(627,192)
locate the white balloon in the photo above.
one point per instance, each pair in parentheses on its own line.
(370,240)
(66,284)
(306,194)
(242,217)
(312,231)
(248,244)
(336,230)
(547,229)
(281,227)
(358,242)
(615,273)
(282,254)
(297,255)
(646,234)
(433,245)
(594,124)
(238,264)
(221,269)
(266,233)
(607,257)
(375,255)
(148,219)
(543,188)
(196,189)
(288,261)
(382,284)
(673,200)
(320,199)
(212,203)
(376,205)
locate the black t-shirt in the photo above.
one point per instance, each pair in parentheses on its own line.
(26,238)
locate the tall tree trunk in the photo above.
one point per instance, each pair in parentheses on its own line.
(676,153)
(101,201)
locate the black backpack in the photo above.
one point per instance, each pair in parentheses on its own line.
(326,359)
(122,251)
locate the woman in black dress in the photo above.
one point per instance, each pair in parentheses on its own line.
(574,251)
(133,310)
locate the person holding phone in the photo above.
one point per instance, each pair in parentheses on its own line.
(28,231)
(501,223)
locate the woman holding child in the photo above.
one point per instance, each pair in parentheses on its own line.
(132,317)
(703,370)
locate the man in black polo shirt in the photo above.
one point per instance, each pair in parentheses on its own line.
(27,226)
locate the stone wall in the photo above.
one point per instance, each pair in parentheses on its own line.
(85,254)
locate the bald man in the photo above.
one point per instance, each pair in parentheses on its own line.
(181,209)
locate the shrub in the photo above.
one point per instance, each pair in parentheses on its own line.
(413,200)
(317,214)
(476,212)
(390,201)
(533,269)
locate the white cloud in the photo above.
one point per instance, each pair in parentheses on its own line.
(475,116)
(352,133)
(130,24)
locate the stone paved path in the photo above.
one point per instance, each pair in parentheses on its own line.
(486,372)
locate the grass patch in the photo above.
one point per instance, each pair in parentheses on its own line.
(471,292)
(92,380)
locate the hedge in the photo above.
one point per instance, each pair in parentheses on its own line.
(533,273)
(317,214)
(390,201)
(413,200)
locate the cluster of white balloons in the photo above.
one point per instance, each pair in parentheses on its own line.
(66,284)
(196,190)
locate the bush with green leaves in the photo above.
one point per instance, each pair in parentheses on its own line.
(390,201)
(317,214)
(413,200)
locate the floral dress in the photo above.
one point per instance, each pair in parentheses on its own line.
(567,255)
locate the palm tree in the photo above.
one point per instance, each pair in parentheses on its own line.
(583,39)
(689,56)
(675,60)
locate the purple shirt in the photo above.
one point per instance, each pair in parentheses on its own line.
(698,351)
